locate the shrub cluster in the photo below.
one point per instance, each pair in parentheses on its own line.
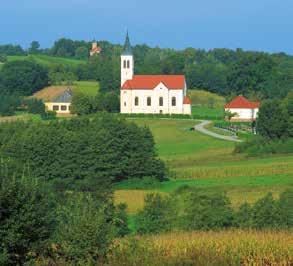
(193,209)
(82,151)
(37,224)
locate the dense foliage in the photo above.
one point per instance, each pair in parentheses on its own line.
(91,151)
(194,209)
(226,72)
(22,78)
(104,102)
(26,219)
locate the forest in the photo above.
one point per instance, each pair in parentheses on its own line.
(258,75)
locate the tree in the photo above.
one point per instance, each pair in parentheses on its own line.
(156,215)
(266,213)
(34,48)
(26,218)
(35,106)
(82,52)
(30,78)
(286,210)
(3,58)
(273,120)
(81,104)
(85,229)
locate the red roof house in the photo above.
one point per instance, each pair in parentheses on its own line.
(243,109)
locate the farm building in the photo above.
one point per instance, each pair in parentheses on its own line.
(151,94)
(61,104)
(243,109)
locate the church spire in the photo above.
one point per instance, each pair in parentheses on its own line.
(127,46)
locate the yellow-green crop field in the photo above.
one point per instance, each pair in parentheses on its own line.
(233,247)
(198,160)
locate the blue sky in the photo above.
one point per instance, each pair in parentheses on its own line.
(249,24)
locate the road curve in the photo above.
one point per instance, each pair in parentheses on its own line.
(201,128)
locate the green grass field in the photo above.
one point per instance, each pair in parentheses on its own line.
(47,60)
(89,88)
(201,161)
(202,112)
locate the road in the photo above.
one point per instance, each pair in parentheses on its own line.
(201,128)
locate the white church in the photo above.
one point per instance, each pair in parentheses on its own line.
(151,94)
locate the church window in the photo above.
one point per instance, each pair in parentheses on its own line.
(161,101)
(124,64)
(128,64)
(173,101)
(124,103)
(149,101)
(136,101)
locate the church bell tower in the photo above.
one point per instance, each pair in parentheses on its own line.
(127,62)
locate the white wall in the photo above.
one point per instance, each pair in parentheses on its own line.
(50,107)
(126,73)
(243,113)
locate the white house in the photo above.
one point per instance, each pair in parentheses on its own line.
(61,104)
(151,94)
(243,109)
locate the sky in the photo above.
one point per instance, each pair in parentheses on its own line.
(261,25)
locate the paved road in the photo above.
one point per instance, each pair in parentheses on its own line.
(201,128)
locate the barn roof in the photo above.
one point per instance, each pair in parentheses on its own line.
(65,97)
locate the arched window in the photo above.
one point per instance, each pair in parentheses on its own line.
(173,101)
(149,101)
(124,64)
(128,64)
(161,101)
(136,101)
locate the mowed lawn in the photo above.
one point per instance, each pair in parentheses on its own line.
(207,163)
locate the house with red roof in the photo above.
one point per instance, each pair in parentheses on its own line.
(151,94)
(95,49)
(243,109)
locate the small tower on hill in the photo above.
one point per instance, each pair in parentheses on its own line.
(127,62)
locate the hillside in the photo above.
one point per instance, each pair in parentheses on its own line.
(47,60)
(90,88)
(201,161)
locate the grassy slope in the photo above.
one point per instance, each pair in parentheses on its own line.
(198,160)
(47,60)
(90,88)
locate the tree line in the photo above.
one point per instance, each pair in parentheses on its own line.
(195,209)
(223,71)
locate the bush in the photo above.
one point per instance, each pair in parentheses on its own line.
(85,229)
(8,105)
(156,216)
(3,58)
(49,115)
(35,106)
(81,104)
(26,219)
(202,211)
(262,146)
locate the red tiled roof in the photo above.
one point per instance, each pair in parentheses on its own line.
(186,100)
(242,102)
(96,49)
(149,82)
